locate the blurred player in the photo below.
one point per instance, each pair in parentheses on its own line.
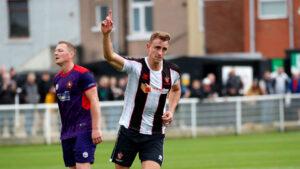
(79,109)
(143,120)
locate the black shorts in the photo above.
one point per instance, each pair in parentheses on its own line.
(129,143)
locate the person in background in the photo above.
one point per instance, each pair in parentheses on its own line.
(30,95)
(7,96)
(206,88)
(215,90)
(104,92)
(280,81)
(294,87)
(44,86)
(234,84)
(254,89)
(117,93)
(195,89)
(266,84)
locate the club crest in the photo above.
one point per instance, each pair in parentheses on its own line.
(69,84)
(167,81)
(119,156)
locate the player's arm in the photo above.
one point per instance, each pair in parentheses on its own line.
(112,58)
(174,97)
(92,95)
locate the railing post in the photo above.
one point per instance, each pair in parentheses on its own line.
(194,119)
(47,125)
(281,114)
(17,110)
(239,116)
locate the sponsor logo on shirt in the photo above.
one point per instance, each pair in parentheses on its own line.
(69,84)
(145,88)
(65,96)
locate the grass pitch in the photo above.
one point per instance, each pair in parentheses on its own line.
(261,151)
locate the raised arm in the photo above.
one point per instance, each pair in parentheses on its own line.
(112,58)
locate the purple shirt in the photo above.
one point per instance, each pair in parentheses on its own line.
(73,105)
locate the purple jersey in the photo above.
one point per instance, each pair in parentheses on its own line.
(73,105)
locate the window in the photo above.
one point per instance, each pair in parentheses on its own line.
(18,18)
(272,9)
(141,19)
(102,12)
(201,15)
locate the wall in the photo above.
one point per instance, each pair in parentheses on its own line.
(50,21)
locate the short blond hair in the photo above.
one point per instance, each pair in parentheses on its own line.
(164,36)
(70,46)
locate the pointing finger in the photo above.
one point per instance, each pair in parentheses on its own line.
(110,14)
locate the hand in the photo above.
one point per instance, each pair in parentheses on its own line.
(167,118)
(96,136)
(107,25)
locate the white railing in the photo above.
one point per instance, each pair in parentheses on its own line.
(234,115)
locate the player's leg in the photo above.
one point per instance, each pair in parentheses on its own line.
(150,165)
(117,166)
(151,152)
(83,165)
(84,151)
(68,154)
(125,149)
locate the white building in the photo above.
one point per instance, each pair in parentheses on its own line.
(29,28)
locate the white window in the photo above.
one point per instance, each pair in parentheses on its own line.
(272,9)
(141,19)
(101,12)
(201,15)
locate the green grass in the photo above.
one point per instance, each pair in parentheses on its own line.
(262,151)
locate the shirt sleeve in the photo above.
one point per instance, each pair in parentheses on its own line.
(87,81)
(175,77)
(128,66)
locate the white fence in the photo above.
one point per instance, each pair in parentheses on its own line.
(25,124)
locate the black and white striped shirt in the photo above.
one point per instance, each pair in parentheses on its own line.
(146,94)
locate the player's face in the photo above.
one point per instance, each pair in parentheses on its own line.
(62,54)
(157,50)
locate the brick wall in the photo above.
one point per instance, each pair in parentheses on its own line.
(224,26)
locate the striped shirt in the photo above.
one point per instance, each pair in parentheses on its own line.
(146,94)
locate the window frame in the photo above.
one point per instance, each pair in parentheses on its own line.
(142,34)
(9,10)
(97,27)
(272,16)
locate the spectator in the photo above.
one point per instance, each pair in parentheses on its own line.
(50,96)
(44,86)
(30,95)
(104,92)
(294,87)
(117,92)
(195,89)
(254,89)
(7,96)
(294,84)
(281,80)
(234,84)
(214,87)
(122,83)
(266,84)
(206,88)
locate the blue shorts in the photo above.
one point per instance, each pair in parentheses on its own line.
(129,143)
(79,149)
